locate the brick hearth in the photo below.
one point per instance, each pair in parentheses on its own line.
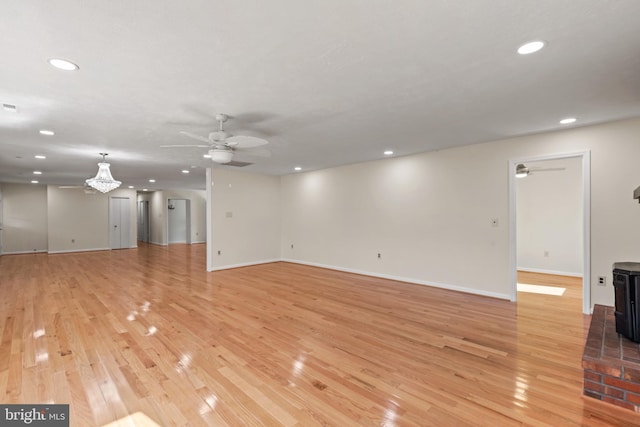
(611,363)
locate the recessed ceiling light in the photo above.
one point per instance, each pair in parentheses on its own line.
(530,47)
(388,153)
(34,182)
(297,168)
(47,132)
(568,121)
(144,189)
(152,180)
(131,186)
(40,156)
(206,156)
(10,107)
(37,173)
(185,171)
(63,64)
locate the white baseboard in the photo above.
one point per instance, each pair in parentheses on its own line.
(158,243)
(405,279)
(244,264)
(37,251)
(198,242)
(80,250)
(555,272)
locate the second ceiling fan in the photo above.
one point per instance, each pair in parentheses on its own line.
(523,171)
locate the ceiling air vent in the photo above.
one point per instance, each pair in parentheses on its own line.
(237,164)
(10,107)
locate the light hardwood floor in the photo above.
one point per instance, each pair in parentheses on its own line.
(148,333)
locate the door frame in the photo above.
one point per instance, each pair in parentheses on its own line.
(586,223)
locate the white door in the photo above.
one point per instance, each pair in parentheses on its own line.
(119,222)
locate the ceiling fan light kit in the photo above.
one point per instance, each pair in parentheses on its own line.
(103,181)
(521,171)
(221,155)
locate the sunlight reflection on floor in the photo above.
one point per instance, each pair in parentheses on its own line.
(137,419)
(537,289)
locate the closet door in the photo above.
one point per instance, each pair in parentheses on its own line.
(119,222)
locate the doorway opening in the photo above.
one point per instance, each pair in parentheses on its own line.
(537,256)
(179,221)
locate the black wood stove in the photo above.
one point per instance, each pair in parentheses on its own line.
(626,282)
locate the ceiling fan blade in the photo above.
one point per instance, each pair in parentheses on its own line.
(255,151)
(194,136)
(547,169)
(185,145)
(245,141)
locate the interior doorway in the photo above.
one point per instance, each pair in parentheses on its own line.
(179,221)
(532,249)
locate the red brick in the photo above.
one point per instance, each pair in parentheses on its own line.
(592,394)
(593,386)
(613,371)
(620,403)
(633,398)
(593,376)
(614,392)
(625,385)
(632,375)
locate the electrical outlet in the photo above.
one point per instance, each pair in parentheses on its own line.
(219,252)
(602,281)
(292,246)
(379,255)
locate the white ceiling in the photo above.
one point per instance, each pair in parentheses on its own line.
(327,82)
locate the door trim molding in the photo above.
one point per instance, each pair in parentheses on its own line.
(586,223)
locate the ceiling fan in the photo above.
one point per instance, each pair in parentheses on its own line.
(86,188)
(523,171)
(222,145)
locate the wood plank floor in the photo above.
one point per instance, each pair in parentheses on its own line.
(147,334)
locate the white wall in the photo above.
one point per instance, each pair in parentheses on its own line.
(549,218)
(245,216)
(80,222)
(429,214)
(77,221)
(25,218)
(158,218)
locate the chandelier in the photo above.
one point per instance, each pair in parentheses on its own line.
(103,181)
